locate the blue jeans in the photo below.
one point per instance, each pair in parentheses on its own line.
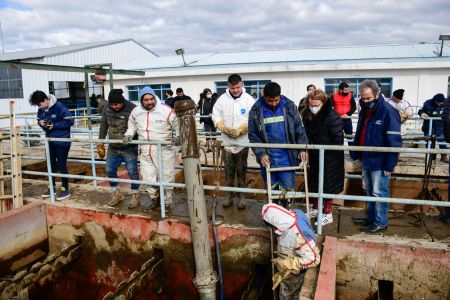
(377,185)
(348,127)
(114,160)
(284,180)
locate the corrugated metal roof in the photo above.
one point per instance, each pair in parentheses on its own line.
(371,53)
(53,51)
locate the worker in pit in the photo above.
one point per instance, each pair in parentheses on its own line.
(55,119)
(114,123)
(274,119)
(153,121)
(296,248)
(230,115)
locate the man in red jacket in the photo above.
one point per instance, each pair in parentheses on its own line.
(344,104)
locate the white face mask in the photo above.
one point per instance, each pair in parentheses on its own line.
(315,109)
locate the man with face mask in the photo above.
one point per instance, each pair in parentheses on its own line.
(274,119)
(344,104)
(153,121)
(114,123)
(378,126)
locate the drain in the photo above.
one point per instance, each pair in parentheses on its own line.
(385,290)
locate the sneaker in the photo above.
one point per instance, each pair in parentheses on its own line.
(326,219)
(373,228)
(312,213)
(63,195)
(46,194)
(134,201)
(116,198)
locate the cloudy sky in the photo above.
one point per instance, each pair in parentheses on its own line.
(218,26)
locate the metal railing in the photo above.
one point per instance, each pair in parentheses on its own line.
(320,195)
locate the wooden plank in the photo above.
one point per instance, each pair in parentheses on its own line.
(22,229)
(2,183)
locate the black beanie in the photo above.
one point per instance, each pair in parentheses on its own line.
(115,96)
(399,94)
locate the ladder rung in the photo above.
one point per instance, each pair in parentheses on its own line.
(3,177)
(6,197)
(3,157)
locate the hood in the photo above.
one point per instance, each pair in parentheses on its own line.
(279,217)
(52,99)
(148,90)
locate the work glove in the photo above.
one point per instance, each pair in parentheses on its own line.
(101,151)
(424,116)
(278,277)
(127,139)
(242,129)
(284,264)
(230,132)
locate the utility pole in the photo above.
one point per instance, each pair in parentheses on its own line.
(205,277)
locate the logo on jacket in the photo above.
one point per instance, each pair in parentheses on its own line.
(53,116)
(378,122)
(243,110)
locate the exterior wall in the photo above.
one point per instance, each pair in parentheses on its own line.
(420,83)
(32,80)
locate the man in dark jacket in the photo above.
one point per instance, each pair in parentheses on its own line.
(274,119)
(180,96)
(344,104)
(433,108)
(446,127)
(56,121)
(378,126)
(114,123)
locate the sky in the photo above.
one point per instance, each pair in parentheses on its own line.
(222,26)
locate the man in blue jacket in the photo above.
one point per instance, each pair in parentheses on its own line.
(433,108)
(378,126)
(274,119)
(56,121)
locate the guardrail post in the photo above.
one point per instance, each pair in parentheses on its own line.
(161,184)
(49,171)
(206,278)
(320,191)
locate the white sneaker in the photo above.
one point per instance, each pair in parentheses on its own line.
(312,213)
(326,219)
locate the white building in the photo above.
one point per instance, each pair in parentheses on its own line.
(19,84)
(417,68)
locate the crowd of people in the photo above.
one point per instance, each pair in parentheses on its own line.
(271,119)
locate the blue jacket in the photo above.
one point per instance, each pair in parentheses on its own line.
(383,130)
(446,121)
(304,225)
(57,113)
(295,133)
(432,110)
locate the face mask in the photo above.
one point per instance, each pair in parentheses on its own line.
(370,105)
(315,109)
(344,94)
(208,96)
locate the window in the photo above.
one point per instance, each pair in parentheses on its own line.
(72,93)
(10,83)
(448,87)
(253,87)
(332,85)
(160,89)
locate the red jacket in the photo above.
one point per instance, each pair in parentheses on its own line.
(343,104)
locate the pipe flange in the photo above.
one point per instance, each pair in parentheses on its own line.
(205,281)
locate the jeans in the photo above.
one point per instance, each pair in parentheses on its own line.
(348,127)
(115,159)
(377,185)
(58,160)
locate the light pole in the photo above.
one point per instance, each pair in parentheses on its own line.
(181,52)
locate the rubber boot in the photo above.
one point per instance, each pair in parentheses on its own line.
(116,198)
(444,158)
(242,201)
(134,201)
(228,200)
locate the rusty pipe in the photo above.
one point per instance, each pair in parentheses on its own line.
(206,278)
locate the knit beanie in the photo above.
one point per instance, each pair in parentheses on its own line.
(116,96)
(399,94)
(439,98)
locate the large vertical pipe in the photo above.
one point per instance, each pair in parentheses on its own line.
(206,278)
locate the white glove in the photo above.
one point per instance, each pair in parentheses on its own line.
(424,116)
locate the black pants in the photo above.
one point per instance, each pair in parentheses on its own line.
(58,161)
(209,128)
(236,164)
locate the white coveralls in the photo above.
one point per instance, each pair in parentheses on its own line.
(292,242)
(157,124)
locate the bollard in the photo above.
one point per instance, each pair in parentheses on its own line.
(206,278)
